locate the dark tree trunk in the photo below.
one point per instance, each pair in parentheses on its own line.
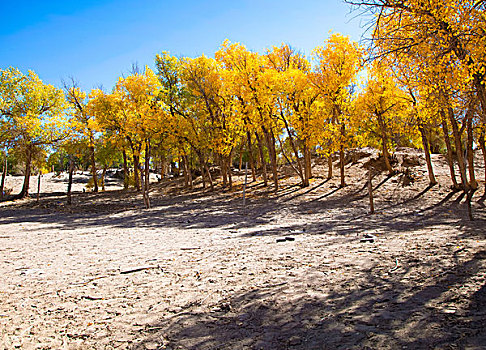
(473,184)
(93,168)
(273,155)
(459,149)
(329,167)
(136,171)
(307,165)
(210,178)
(38,185)
(341,155)
(4,174)
(126,174)
(25,187)
(146,186)
(229,166)
(370,192)
(262,158)
(222,162)
(70,180)
(203,170)
(103,175)
(183,163)
(384,143)
(250,156)
(482,144)
(240,160)
(450,158)
(188,171)
(341,165)
(425,143)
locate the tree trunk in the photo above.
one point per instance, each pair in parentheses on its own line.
(386,156)
(147,176)
(210,179)
(301,172)
(262,157)
(297,171)
(25,187)
(183,163)
(136,171)
(103,175)
(459,150)
(70,180)
(384,143)
(329,167)
(307,164)
(222,162)
(450,158)
(188,171)
(126,174)
(4,174)
(341,155)
(229,166)
(93,168)
(203,175)
(370,192)
(240,161)
(38,185)
(482,144)
(273,156)
(481,93)
(274,161)
(473,184)
(203,170)
(250,156)
(425,144)
(142,184)
(341,165)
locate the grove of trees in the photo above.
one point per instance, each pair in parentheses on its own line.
(420,82)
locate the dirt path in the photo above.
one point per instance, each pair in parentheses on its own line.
(199,271)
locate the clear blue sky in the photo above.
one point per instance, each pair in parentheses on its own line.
(97,41)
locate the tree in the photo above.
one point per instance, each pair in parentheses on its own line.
(84,122)
(337,65)
(133,112)
(32,112)
(381,111)
(297,100)
(445,29)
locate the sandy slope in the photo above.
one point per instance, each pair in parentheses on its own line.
(200,271)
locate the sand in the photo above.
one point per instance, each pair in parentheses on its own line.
(287,271)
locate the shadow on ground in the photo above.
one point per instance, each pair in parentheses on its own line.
(379,309)
(326,206)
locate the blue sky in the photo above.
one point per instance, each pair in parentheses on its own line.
(97,41)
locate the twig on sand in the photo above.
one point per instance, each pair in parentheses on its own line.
(87,297)
(137,269)
(394,268)
(93,279)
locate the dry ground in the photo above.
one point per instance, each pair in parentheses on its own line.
(200,271)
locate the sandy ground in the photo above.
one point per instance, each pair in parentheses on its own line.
(201,271)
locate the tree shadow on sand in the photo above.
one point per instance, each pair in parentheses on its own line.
(334,209)
(378,309)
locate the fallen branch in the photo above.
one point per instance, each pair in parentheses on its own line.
(137,269)
(93,279)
